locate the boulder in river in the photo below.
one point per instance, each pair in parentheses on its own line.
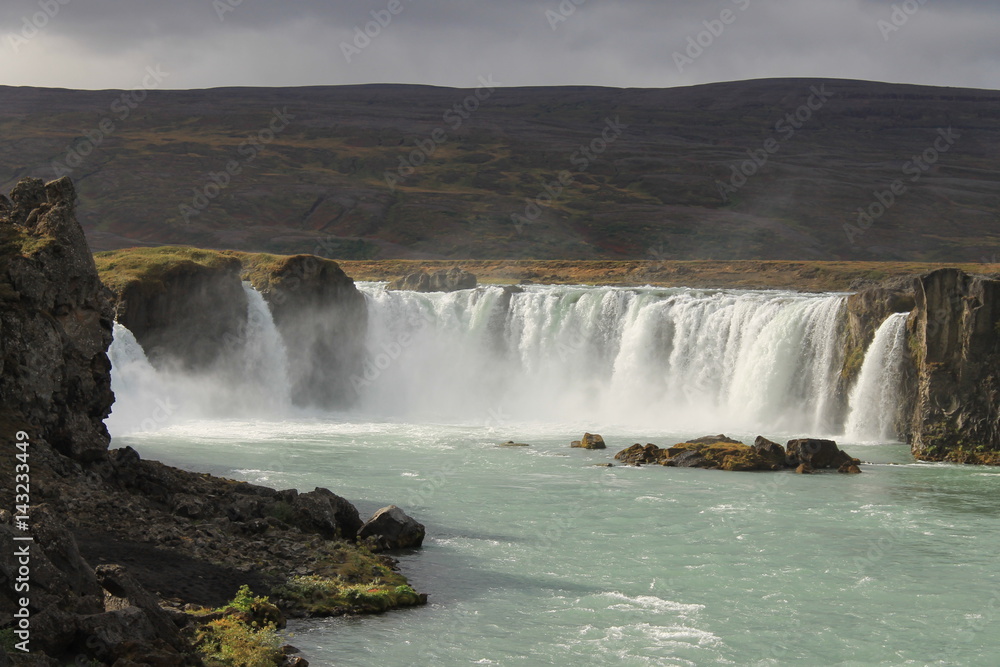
(770,451)
(589,441)
(391,528)
(816,454)
(638,454)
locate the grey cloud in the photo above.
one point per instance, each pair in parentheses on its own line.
(96,43)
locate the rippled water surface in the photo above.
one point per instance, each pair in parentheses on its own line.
(535,556)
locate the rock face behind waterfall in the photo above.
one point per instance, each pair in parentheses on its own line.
(323,319)
(55,321)
(187,307)
(956,336)
(184,309)
(866,311)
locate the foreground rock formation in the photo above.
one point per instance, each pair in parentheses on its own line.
(186,539)
(717,452)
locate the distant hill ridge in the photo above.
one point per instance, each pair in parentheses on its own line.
(767,169)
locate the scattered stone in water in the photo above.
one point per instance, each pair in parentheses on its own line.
(817,453)
(511,443)
(719,452)
(604,465)
(589,441)
(638,454)
(804,469)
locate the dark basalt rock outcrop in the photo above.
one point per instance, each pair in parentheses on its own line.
(955,336)
(722,453)
(55,322)
(390,528)
(323,318)
(815,454)
(642,454)
(185,313)
(445,280)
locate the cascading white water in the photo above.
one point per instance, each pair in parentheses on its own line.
(667,359)
(249,379)
(676,359)
(264,370)
(875,399)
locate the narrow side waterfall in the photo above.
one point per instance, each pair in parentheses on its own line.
(249,378)
(875,401)
(264,368)
(638,358)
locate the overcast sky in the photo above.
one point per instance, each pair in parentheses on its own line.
(647,43)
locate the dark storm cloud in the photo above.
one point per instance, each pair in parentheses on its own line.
(108,43)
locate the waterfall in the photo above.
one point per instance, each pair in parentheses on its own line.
(675,359)
(875,400)
(248,379)
(264,359)
(644,358)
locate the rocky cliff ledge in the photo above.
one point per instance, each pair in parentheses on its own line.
(189,541)
(187,307)
(951,383)
(955,338)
